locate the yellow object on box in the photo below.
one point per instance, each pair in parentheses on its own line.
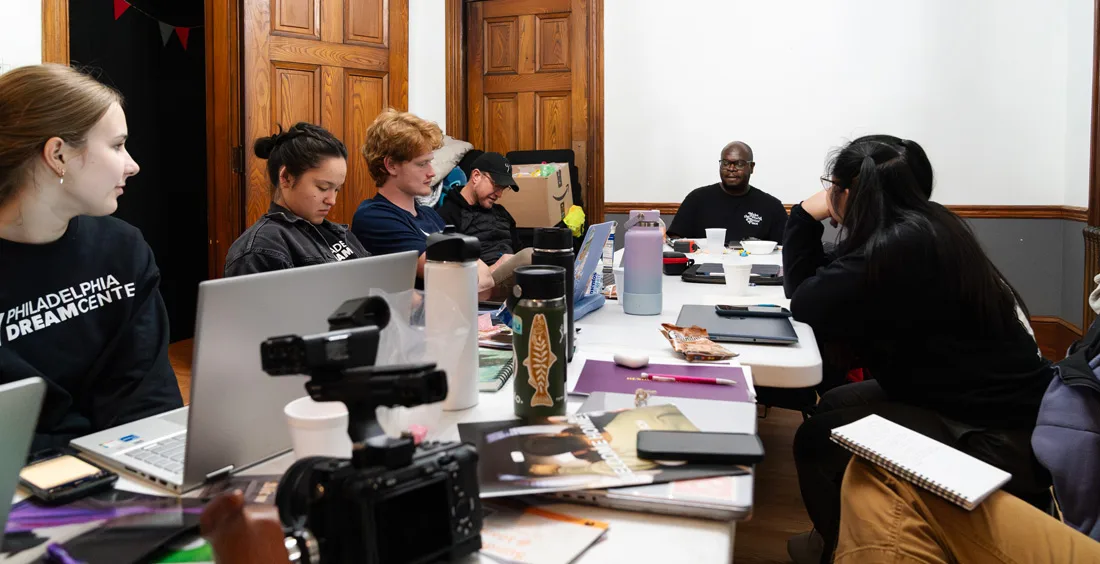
(574,220)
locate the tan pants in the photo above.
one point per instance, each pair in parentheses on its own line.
(886,519)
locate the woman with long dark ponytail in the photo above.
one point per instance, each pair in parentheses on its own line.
(911,295)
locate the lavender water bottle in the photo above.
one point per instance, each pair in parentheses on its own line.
(642,255)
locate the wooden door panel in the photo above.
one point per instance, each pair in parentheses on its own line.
(526,72)
(552,42)
(502,122)
(543,81)
(553,120)
(365,96)
(365,22)
(315,53)
(335,63)
(497,8)
(297,94)
(502,46)
(297,17)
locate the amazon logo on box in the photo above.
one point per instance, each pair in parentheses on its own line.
(544,195)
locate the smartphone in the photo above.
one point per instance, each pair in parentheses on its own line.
(705,448)
(752,311)
(59,477)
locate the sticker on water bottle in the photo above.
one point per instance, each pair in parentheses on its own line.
(517,325)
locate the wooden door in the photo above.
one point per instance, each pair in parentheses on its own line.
(336,63)
(527,72)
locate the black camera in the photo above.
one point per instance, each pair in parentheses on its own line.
(393,501)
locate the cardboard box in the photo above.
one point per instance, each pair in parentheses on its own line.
(541,201)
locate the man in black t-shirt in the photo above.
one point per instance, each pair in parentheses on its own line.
(742,210)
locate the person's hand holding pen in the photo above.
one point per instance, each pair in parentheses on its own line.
(243,534)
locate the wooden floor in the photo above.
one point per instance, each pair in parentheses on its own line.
(778,512)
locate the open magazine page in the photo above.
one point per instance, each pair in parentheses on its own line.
(575,452)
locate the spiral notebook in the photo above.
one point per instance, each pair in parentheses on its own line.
(930,464)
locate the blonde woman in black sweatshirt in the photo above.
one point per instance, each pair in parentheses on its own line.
(79,299)
(911,295)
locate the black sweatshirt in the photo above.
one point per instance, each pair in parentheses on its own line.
(85,313)
(913,336)
(752,214)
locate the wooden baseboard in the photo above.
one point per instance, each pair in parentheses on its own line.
(1054,335)
(1071,213)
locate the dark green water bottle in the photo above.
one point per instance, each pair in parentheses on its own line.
(539,325)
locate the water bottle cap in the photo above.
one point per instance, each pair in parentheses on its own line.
(453,247)
(539,282)
(553,238)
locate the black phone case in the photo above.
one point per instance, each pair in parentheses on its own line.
(105,480)
(701,458)
(783,313)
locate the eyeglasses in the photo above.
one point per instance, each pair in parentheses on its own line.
(738,164)
(828,183)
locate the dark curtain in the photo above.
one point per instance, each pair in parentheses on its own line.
(165,91)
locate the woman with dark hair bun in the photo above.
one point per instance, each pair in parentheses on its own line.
(307,166)
(911,295)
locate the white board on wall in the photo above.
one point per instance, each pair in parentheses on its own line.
(992,89)
(20,33)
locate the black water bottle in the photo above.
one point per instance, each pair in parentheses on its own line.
(554,247)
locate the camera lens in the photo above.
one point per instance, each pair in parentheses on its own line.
(295,490)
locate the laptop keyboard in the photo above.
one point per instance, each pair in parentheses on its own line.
(166,454)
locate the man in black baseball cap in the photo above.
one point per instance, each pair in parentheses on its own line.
(473,209)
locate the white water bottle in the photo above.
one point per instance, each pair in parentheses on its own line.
(450,313)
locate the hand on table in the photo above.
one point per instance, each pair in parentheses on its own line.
(240,534)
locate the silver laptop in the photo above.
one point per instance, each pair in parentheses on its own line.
(19,405)
(236,419)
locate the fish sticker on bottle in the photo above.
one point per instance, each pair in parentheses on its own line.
(539,360)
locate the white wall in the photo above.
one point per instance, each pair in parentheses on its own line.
(988,87)
(20,33)
(1079,37)
(427,69)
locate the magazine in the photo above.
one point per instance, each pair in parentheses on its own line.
(577,452)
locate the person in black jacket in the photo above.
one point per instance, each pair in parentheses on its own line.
(912,296)
(474,210)
(307,166)
(79,300)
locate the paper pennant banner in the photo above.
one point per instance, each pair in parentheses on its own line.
(182,33)
(165,32)
(120,7)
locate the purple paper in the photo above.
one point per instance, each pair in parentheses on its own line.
(604,376)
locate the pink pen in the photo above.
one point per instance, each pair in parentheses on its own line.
(687,379)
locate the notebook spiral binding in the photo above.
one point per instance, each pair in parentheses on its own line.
(901,471)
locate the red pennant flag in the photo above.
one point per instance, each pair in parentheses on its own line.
(181,32)
(120,7)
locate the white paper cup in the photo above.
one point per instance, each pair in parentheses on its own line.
(737,278)
(716,240)
(318,428)
(618,271)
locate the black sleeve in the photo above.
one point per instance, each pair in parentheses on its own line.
(262,261)
(830,297)
(778,223)
(684,223)
(136,379)
(802,249)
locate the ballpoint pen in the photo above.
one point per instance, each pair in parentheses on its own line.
(684,379)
